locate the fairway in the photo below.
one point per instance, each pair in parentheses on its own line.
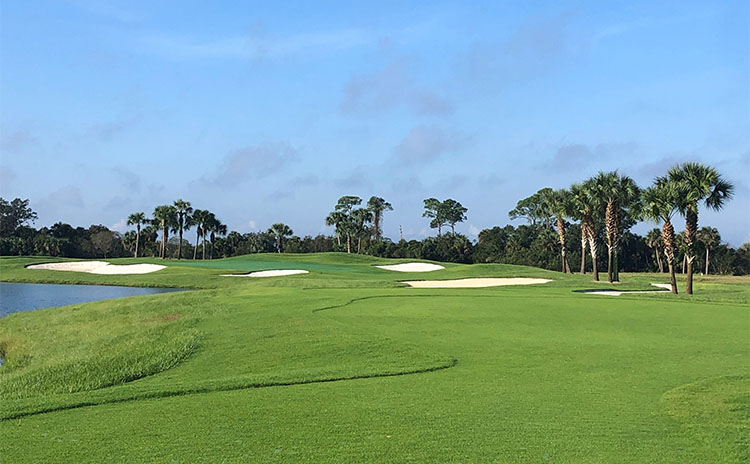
(346,363)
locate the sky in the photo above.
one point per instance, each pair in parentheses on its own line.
(267,112)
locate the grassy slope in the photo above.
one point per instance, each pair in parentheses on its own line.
(542,374)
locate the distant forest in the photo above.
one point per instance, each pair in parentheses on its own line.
(534,244)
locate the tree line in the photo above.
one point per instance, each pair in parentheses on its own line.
(600,210)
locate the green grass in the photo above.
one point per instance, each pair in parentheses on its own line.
(346,365)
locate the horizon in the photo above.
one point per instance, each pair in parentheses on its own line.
(267,114)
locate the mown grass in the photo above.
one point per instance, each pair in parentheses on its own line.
(345,365)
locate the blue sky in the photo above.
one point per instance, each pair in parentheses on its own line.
(269,111)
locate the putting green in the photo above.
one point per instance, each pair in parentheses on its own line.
(345,364)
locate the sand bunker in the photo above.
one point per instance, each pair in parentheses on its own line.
(476,283)
(667,288)
(281,272)
(412,267)
(99,267)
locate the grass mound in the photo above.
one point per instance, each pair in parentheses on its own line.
(121,350)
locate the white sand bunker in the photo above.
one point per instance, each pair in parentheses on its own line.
(667,289)
(99,267)
(281,272)
(476,283)
(412,267)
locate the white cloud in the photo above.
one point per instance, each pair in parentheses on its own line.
(119,226)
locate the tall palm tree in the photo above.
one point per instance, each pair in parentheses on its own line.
(701,183)
(654,241)
(164,218)
(198,219)
(137,219)
(618,195)
(280,231)
(584,202)
(378,206)
(710,238)
(660,203)
(183,213)
(559,203)
(214,227)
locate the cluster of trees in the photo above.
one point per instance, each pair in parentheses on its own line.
(353,222)
(17,237)
(608,204)
(600,210)
(444,213)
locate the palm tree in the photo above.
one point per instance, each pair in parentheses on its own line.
(214,227)
(137,219)
(654,241)
(280,231)
(583,206)
(700,183)
(336,218)
(199,218)
(710,238)
(559,204)
(619,195)
(183,214)
(378,206)
(659,205)
(164,217)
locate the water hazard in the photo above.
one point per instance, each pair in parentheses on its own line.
(17,297)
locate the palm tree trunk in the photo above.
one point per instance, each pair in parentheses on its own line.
(667,236)
(611,226)
(197,241)
(583,250)
(439,227)
(592,248)
(706,261)
(561,236)
(163,240)
(179,245)
(278,244)
(204,244)
(166,240)
(137,238)
(453,228)
(359,245)
(691,229)
(348,243)
(672,278)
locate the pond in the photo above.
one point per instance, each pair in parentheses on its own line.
(17,297)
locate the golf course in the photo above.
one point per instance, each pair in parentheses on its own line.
(346,363)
